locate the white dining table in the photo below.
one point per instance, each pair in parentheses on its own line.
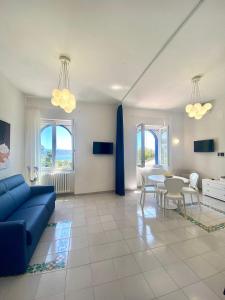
(161,179)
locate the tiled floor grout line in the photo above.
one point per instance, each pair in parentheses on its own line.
(142,272)
(162,266)
(168,244)
(129,220)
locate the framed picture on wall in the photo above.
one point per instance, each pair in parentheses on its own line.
(4,144)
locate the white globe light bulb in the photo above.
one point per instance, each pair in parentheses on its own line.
(62,101)
(197,106)
(73,105)
(68,109)
(54,101)
(188,108)
(56,93)
(198,117)
(203,111)
(191,114)
(208,106)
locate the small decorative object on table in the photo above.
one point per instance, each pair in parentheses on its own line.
(33,175)
(168,175)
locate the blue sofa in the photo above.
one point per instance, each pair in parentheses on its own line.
(24,214)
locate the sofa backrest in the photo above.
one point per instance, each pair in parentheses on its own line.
(13,193)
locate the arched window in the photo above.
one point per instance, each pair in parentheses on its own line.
(57,146)
(152,145)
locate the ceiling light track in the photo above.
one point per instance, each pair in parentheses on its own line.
(168,41)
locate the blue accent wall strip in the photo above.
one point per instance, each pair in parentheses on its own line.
(120,181)
(156,147)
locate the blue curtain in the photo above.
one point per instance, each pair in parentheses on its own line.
(120,186)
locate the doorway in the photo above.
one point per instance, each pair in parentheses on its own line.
(152,147)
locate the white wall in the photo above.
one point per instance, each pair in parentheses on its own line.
(93,122)
(95,173)
(133,117)
(212,126)
(98,122)
(12,111)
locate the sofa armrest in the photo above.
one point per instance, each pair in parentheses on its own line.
(13,247)
(41,189)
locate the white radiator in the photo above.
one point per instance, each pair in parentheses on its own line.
(63,182)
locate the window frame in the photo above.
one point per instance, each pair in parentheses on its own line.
(69,126)
(142,128)
(161,160)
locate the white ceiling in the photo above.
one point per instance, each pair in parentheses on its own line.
(111,42)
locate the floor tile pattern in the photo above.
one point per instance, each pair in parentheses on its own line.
(104,247)
(58,263)
(197,216)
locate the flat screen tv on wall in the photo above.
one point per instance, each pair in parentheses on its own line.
(204,146)
(102,148)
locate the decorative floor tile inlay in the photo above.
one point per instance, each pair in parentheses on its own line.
(58,263)
(208,228)
(60,223)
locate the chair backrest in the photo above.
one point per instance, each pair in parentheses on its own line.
(157,171)
(143,180)
(194,177)
(157,166)
(174,185)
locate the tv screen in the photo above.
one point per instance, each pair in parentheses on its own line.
(204,146)
(102,148)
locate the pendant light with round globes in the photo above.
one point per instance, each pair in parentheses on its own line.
(62,96)
(196,109)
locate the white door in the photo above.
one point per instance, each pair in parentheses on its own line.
(164,147)
(140,160)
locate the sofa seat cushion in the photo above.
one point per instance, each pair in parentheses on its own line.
(43,199)
(36,219)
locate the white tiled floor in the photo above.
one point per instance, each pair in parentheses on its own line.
(114,251)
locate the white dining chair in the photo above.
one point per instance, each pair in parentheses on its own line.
(155,171)
(157,166)
(192,189)
(174,192)
(146,189)
(160,192)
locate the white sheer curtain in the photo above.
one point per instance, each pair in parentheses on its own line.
(32,140)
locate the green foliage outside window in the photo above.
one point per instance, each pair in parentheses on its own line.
(63,164)
(149,154)
(46,158)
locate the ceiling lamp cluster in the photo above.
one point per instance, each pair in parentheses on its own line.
(196,109)
(62,96)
